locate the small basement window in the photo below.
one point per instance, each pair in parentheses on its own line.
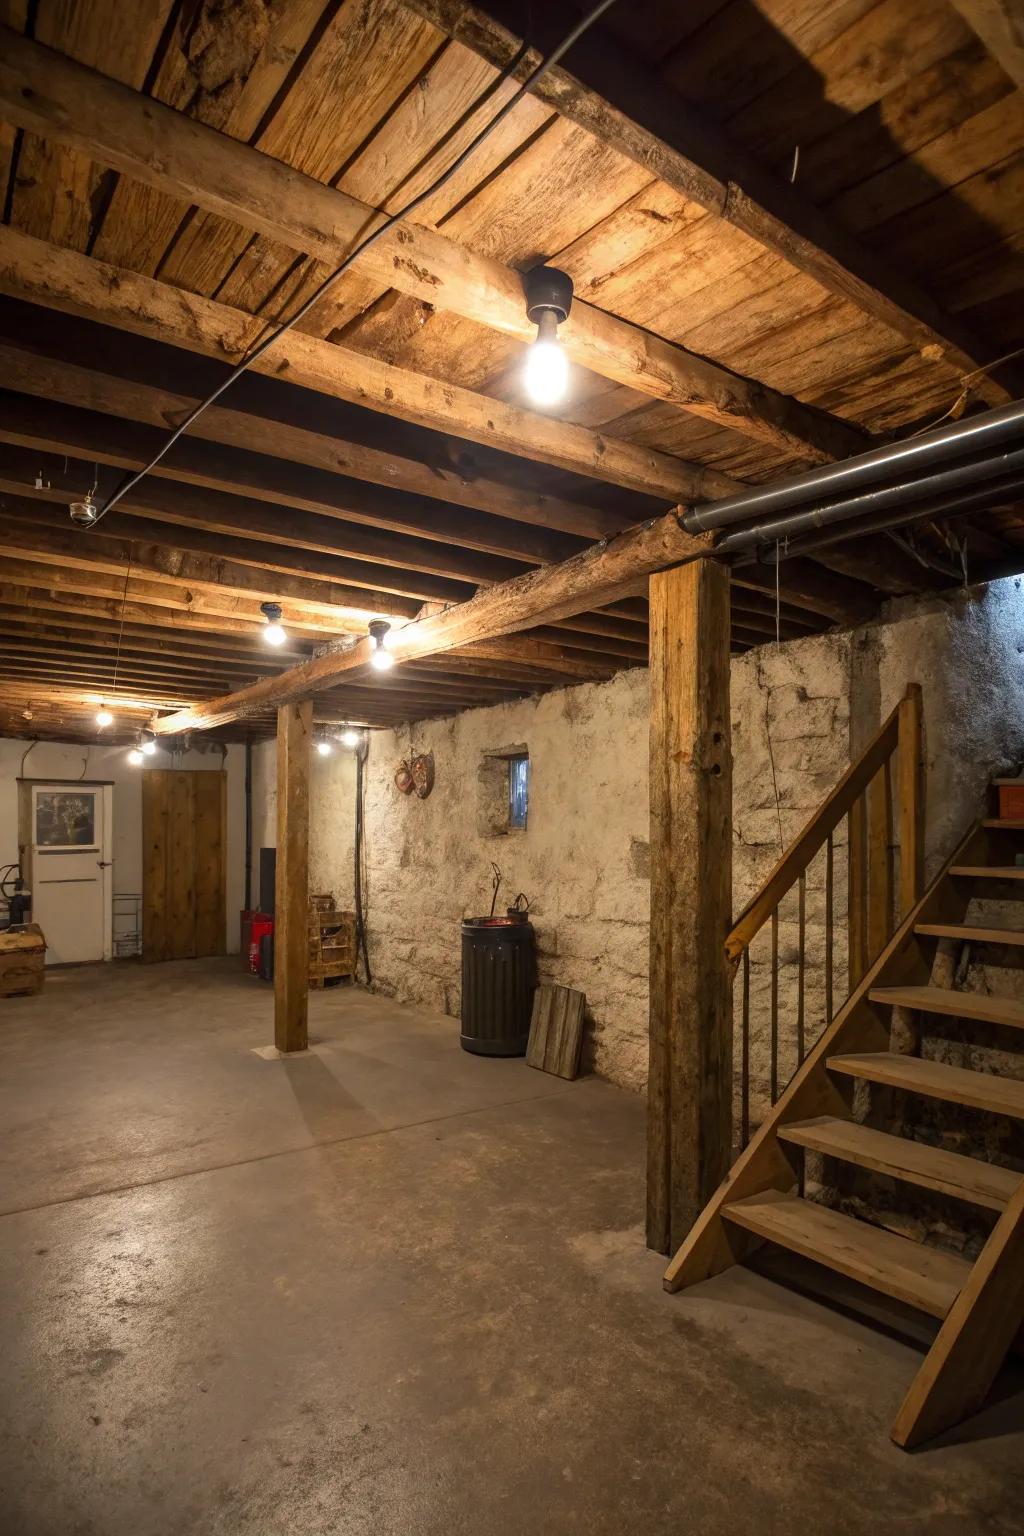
(518,790)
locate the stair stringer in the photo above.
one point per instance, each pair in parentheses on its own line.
(711,1245)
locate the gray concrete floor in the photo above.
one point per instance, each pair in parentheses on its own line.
(388,1287)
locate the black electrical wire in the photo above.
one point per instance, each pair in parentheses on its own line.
(361,752)
(132,480)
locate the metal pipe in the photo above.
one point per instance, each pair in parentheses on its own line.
(956,502)
(984,431)
(248,826)
(774,529)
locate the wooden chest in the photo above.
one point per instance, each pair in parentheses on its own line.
(22,960)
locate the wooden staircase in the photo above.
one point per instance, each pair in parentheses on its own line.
(979,1304)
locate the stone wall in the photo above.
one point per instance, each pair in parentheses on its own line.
(800,710)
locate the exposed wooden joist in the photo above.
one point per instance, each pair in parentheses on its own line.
(594,578)
(1000,25)
(53,378)
(623,104)
(109,123)
(65,280)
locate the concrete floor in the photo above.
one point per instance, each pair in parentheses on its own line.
(388,1287)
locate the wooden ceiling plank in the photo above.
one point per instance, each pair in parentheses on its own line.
(143,139)
(998,24)
(76,284)
(625,106)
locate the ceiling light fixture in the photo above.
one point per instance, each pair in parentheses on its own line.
(548,301)
(104,717)
(84,513)
(349,737)
(148,746)
(323,746)
(274,632)
(135,757)
(380,658)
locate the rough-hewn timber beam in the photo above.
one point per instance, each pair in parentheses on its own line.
(74,284)
(592,579)
(51,95)
(54,378)
(626,106)
(1000,25)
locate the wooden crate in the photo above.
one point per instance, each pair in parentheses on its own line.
(332,941)
(22,960)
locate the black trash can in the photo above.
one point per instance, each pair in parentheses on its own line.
(498,982)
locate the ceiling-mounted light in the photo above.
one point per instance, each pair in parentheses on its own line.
(548,301)
(104,717)
(349,737)
(135,757)
(381,658)
(274,632)
(323,746)
(84,513)
(147,746)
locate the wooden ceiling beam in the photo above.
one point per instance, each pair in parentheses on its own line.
(65,280)
(624,105)
(1000,25)
(38,420)
(110,123)
(592,579)
(51,376)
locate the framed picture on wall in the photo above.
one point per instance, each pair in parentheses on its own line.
(65,818)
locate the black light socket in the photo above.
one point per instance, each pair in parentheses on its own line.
(547,288)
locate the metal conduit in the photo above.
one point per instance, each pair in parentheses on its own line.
(982,432)
(775,529)
(957,502)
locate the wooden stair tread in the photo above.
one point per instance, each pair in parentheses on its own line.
(989,871)
(970,934)
(981,1006)
(1006,823)
(923,1277)
(966,1178)
(936,1080)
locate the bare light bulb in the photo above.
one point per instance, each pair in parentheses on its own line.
(381,658)
(135,757)
(547,367)
(104,717)
(274,634)
(350,738)
(324,748)
(148,747)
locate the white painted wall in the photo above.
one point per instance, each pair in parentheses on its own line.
(60,760)
(332,789)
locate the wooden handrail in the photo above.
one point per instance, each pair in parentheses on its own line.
(900,732)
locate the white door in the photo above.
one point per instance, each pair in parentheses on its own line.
(71,870)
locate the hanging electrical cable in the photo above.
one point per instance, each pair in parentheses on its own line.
(575,33)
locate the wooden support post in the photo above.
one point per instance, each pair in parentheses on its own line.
(291,900)
(689,1095)
(911,811)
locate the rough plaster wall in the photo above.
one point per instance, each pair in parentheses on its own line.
(582,860)
(332,790)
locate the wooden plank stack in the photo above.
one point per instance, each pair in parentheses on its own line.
(22,958)
(332,940)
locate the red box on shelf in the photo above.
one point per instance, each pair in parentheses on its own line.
(262,923)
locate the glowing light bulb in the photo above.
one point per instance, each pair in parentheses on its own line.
(547,367)
(274,632)
(324,748)
(382,660)
(148,747)
(135,757)
(104,717)
(350,738)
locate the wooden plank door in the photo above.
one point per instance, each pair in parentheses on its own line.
(183,863)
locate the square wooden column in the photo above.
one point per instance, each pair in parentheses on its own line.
(689,1094)
(291,898)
